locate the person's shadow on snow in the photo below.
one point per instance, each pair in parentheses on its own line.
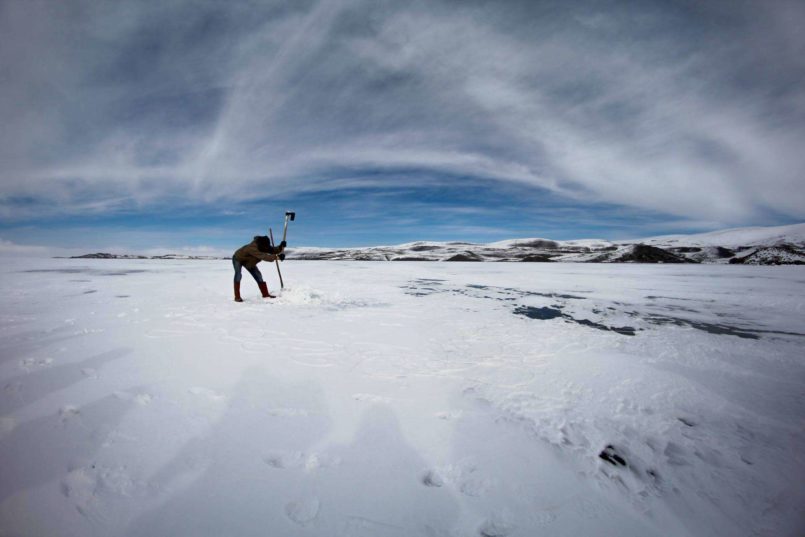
(223,483)
(259,472)
(39,451)
(32,386)
(382,485)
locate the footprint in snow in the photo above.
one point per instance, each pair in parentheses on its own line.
(141,399)
(589,509)
(68,412)
(32,363)
(303,511)
(287,412)
(496,526)
(208,393)
(432,479)
(7,425)
(370,397)
(79,486)
(87,486)
(463,476)
(474,487)
(297,459)
(285,460)
(543,519)
(12,388)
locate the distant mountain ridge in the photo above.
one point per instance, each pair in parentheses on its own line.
(780,245)
(104,255)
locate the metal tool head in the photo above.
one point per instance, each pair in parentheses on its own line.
(290,214)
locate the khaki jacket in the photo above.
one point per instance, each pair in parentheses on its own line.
(250,255)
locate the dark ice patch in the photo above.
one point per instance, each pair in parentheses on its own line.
(716,328)
(779,332)
(557,295)
(673,307)
(625,330)
(710,328)
(423,287)
(555,312)
(89,292)
(542,314)
(545,295)
(656,297)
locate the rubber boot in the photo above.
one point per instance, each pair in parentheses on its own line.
(264,289)
(237,292)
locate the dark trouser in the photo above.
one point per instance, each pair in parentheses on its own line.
(254,271)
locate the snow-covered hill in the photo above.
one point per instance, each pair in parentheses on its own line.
(765,246)
(736,238)
(104,255)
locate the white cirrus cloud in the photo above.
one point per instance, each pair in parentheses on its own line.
(696,111)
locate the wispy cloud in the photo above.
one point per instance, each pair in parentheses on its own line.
(695,110)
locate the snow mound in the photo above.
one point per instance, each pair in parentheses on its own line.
(301,295)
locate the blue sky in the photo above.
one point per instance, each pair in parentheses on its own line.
(141,126)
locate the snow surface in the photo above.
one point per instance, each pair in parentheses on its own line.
(388,399)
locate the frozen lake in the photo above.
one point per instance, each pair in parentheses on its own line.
(399,399)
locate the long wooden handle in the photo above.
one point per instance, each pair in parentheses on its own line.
(277,261)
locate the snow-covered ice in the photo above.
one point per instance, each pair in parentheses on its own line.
(390,399)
